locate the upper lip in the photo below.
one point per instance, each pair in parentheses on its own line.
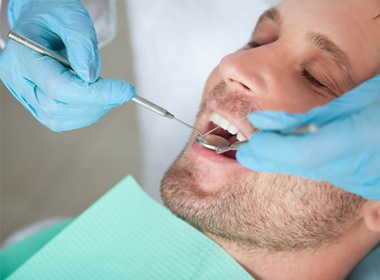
(232,105)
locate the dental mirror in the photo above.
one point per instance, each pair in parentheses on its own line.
(212,141)
(217,143)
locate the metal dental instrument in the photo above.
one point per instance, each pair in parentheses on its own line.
(218,144)
(207,140)
(137,99)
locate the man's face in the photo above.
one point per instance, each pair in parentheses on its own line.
(301,55)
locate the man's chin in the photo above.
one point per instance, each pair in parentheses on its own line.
(195,176)
(264,210)
(202,196)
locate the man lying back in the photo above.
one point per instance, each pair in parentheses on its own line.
(302,54)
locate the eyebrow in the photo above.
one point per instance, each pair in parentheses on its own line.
(339,57)
(271,14)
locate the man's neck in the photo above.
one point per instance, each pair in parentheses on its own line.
(332,261)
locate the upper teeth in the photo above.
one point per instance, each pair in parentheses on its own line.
(226,125)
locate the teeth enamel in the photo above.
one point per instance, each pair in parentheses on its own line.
(232,129)
(223,123)
(214,117)
(226,125)
(240,137)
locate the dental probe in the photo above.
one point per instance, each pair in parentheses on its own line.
(137,99)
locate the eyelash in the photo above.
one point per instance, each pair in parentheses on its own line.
(308,77)
(253,44)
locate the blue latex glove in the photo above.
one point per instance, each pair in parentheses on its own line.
(368,268)
(345,151)
(57,98)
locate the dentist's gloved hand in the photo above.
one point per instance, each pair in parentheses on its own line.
(345,151)
(57,98)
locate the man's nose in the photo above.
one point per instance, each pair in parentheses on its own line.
(259,70)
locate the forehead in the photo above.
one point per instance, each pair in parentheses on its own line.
(363,8)
(351,24)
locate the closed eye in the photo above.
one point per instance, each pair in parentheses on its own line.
(310,79)
(253,44)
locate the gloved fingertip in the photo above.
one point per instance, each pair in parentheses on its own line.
(276,121)
(122,92)
(250,160)
(131,92)
(94,72)
(84,59)
(89,71)
(86,73)
(242,153)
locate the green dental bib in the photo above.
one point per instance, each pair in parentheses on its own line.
(124,235)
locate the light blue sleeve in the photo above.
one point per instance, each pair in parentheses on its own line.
(102,12)
(368,268)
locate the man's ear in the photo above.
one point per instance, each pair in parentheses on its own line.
(372,217)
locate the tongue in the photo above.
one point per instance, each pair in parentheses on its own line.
(232,139)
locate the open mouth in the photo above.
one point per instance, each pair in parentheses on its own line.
(226,130)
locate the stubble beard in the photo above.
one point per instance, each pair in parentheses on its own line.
(261,210)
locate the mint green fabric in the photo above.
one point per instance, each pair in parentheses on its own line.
(127,235)
(15,255)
